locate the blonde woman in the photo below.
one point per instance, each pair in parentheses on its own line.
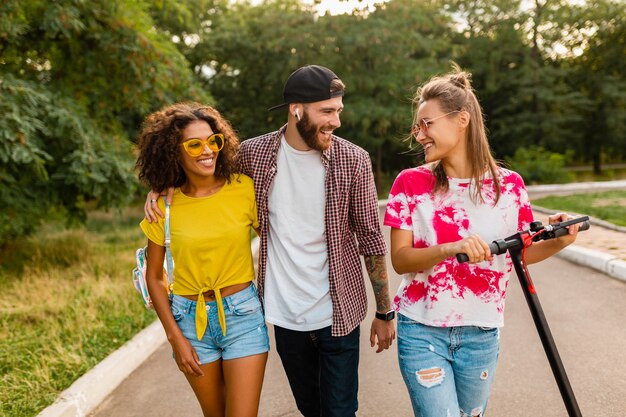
(450,313)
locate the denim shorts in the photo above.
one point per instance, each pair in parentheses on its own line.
(246,332)
(448,371)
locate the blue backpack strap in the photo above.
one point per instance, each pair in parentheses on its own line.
(168,252)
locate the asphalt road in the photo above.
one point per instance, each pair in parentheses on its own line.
(586,311)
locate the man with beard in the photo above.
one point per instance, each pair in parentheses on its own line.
(317,212)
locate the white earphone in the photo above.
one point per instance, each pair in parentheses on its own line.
(297,115)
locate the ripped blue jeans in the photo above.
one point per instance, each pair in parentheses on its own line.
(448,371)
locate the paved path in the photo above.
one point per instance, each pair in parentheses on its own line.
(586,312)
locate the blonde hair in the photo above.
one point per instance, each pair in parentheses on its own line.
(454,92)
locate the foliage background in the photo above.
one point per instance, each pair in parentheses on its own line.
(77,77)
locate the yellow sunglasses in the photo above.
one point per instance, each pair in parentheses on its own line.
(195,146)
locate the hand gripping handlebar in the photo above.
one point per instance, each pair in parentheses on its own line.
(536,232)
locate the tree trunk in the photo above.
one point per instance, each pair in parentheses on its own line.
(535,55)
(600,131)
(597,167)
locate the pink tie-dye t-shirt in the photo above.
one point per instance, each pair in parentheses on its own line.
(453,294)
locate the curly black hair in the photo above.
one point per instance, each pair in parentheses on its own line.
(158,162)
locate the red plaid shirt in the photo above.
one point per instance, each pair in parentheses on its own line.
(351,217)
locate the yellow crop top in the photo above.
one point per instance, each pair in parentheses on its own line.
(210,242)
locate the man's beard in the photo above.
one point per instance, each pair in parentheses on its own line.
(308,132)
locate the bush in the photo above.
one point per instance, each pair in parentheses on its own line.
(539,166)
(61,250)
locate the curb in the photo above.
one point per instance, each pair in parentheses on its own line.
(600,261)
(88,391)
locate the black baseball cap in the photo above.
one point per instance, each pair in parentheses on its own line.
(308,84)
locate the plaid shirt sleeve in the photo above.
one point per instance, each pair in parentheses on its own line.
(352,229)
(364,218)
(244,160)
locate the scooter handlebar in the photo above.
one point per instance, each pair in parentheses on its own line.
(498,247)
(562,232)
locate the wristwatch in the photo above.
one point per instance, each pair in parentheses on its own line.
(388,316)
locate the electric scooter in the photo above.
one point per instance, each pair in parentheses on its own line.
(516,245)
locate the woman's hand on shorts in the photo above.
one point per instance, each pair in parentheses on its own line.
(186,357)
(476,249)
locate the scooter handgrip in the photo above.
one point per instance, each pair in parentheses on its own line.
(562,232)
(493,247)
(462,258)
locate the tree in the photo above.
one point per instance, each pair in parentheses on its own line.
(76,79)
(520,87)
(246,53)
(599,74)
(382,56)
(523,60)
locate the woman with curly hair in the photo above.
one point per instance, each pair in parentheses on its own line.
(213,318)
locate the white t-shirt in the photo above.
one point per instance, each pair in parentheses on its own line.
(297,294)
(453,294)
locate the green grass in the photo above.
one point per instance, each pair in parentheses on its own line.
(67,302)
(607,205)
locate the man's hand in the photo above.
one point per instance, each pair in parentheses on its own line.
(382,333)
(151,209)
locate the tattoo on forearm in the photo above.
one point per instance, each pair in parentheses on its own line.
(377,271)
